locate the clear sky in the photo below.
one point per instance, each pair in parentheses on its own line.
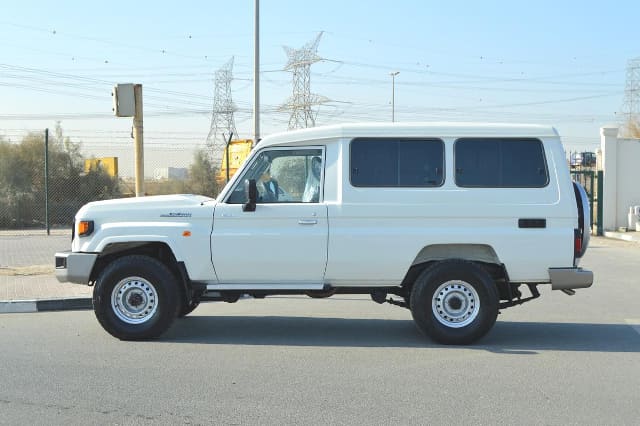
(561,63)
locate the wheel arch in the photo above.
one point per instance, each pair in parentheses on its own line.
(473,252)
(158,250)
(482,254)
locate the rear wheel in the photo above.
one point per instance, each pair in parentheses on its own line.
(321,294)
(136,298)
(584,217)
(454,302)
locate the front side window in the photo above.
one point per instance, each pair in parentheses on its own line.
(500,163)
(383,162)
(283,176)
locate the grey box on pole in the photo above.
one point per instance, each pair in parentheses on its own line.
(123,100)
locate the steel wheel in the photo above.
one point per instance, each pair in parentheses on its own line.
(134,300)
(455,304)
(136,297)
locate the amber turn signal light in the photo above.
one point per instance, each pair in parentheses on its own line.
(85,227)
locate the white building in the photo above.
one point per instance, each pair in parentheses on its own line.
(177,173)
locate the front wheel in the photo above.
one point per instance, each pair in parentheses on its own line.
(136,298)
(188,306)
(454,302)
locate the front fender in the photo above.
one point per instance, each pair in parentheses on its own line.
(189,245)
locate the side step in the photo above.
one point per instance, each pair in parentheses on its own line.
(266,287)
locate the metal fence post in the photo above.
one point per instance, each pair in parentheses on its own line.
(46,181)
(227,154)
(599,230)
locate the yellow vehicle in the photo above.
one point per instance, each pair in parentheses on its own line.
(108,164)
(234,155)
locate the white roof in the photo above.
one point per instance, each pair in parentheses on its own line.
(436,130)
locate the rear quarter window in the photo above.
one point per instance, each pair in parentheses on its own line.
(500,163)
(396,162)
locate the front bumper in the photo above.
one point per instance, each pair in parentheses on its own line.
(74,267)
(570,278)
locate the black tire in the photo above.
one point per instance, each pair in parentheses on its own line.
(320,294)
(188,306)
(454,302)
(136,298)
(584,217)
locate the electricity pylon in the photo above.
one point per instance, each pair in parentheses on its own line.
(222,118)
(302,100)
(631,103)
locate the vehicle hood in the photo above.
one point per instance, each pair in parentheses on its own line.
(156,218)
(153,208)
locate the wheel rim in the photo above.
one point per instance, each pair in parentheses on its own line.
(134,300)
(455,304)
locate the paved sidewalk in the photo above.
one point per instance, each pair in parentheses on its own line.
(38,288)
(27,280)
(631,236)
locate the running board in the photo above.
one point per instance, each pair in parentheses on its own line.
(247,287)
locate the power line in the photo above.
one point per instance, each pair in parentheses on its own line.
(55,32)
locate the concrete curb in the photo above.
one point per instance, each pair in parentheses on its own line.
(45,305)
(630,236)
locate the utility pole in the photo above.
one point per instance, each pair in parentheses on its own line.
(127,102)
(256,75)
(393,95)
(138,140)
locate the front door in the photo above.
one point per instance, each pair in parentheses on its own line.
(285,239)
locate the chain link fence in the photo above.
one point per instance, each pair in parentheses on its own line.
(45,180)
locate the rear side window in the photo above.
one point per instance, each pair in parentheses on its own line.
(500,163)
(382,162)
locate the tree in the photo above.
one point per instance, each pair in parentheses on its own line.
(631,128)
(202,175)
(22,181)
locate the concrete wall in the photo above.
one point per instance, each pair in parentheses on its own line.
(628,178)
(621,170)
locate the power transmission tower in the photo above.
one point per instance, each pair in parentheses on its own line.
(302,100)
(631,103)
(222,119)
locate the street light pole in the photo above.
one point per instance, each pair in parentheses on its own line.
(393,95)
(256,75)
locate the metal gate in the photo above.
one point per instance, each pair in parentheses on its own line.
(592,183)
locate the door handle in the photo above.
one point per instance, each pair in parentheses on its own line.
(307,222)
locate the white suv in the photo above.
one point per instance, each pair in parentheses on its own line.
(448,220)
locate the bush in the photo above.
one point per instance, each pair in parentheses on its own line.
(22,183)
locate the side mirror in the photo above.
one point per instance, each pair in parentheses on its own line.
(251,193)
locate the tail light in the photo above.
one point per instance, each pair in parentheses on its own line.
(577,243)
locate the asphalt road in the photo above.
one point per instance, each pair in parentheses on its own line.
(345,360)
